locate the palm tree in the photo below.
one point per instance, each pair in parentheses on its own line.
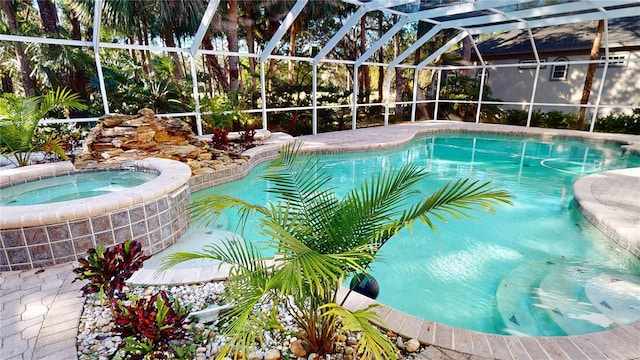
(322,240)
(19,119)
(48,16)
(178,20)
(591,71)
(9,8)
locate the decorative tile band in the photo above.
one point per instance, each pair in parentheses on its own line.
(156,224)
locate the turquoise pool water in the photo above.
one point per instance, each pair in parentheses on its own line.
(535,268)
(72,187)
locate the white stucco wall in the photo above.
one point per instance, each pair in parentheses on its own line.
(621,87)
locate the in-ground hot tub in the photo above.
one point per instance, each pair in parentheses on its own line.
(152,213)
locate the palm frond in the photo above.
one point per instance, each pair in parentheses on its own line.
(372,344)
(296,180)
(300,269)
(207,209)
(374,205)
(240,323)
(59,99)
(241,254)
(454,199)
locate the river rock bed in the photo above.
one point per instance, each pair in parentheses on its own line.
(98,340)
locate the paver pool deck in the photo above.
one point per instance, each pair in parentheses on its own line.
(40,309)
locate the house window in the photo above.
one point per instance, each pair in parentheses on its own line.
(479,75)
(531,64)
(559,71)
(618,60)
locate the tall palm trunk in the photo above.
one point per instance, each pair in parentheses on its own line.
(214,66)
(48,16)
(232,38)
(7,83)
(364,70)
(167,34)
(399,82)
(466,54)
(247,22)
(25,68)
(76,29)
(380,58)
(292,50)
(273,27)
(422,110)
(588,80)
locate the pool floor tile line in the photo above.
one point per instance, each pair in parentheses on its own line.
(40,308)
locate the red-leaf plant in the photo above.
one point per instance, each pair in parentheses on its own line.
(108,270)
(219,139)
(152,325)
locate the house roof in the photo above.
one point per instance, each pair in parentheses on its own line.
(623,33)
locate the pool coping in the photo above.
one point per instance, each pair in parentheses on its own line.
(619,343)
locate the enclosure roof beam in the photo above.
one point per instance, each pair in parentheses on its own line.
(42,40)
(431,33)
(551,10)
(353,20)
(204,25)
(383,40)
(457,9)
(567,19)
(442,49)
(284,26)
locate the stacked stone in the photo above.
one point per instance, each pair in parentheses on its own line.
(120,139)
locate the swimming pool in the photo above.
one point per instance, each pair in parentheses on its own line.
(523,270)
(73,186)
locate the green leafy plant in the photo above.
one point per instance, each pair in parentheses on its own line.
(68,136)
(519,117)
(108,270)
(19,120)
(465,88)
(620,123)
(321,240)
(130,89)
(152,327)
(223,112)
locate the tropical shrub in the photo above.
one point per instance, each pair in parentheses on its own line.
(153,328)
(465,88)
(247,136)
(552,119)
(321,240)
(219,139)
(620,123)
(19,120)
(223,112)
(68,135)
(555,119)
(129,89)
(108,270)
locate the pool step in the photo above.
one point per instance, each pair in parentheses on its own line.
(561,295)
(555,298)
(616,296)
(518,312)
